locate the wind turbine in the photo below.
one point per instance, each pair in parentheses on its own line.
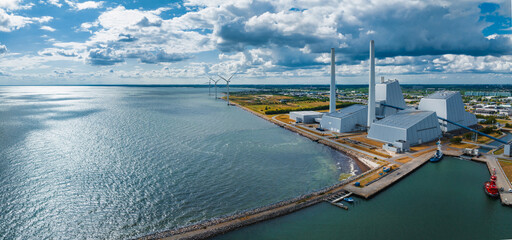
(215,82)
(209,86)
(227,82)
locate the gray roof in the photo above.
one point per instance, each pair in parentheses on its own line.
(307,113)
(404,118)
(441,95)
(347,111)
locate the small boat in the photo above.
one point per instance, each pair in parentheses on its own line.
(348,199)
(490,187)
(439,153)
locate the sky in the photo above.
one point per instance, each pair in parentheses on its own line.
(54,42)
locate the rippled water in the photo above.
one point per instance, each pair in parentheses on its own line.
(119,162)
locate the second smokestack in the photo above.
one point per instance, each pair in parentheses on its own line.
(332,96)
(371,86)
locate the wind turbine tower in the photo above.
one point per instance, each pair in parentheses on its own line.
(209,86)
(215,82)
(227,82)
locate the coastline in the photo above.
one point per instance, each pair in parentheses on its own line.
(215,226)
(219,225)
(357,157)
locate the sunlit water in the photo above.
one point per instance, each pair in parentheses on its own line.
(121,162)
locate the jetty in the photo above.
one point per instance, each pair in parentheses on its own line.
(387,180)
(492,164)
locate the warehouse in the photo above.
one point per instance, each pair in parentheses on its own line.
(448,105)
(349,119)
(305,116)
(406,128)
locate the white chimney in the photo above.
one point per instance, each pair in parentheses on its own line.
(371,86)
(332,97)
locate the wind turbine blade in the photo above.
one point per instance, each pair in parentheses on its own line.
(231,76)
(222,77)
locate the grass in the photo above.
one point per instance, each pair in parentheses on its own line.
(483,139)
(368,141)
(261,103)
(344,176)
(285,118)
(463,145)
(506,165)
(422,146)
(499,151)
(421,153)
(403,159)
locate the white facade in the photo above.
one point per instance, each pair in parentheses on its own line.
(349,119)
(305,116)
(389,92)
(448,105)
(410,126)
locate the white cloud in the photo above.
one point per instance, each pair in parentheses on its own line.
(48,28)
(84,5)
(10,22)
(55,2)
(14,5)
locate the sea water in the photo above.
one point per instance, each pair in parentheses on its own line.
(96,162)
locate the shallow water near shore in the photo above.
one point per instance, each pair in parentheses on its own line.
(120,162)
(442,200)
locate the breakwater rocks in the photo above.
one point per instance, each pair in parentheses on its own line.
(216,226)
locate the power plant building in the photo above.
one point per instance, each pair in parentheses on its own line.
(349,119)
(448,105)
(388,92)
(411,127)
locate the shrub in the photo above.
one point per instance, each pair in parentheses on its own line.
(487,130)
(456,140)
(468,136)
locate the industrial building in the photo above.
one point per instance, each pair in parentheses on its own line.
(448,105)
(349,119)
(388,92)
(305,116)
(387,117)
(411,127)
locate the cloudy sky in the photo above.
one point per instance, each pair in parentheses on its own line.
(274,41)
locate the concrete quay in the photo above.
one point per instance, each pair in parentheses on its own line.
(388,180)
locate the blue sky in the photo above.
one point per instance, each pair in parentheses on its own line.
(265,42)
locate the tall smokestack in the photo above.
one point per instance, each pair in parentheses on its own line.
(371,86)
(332,97)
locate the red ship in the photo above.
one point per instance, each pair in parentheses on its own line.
(490,187)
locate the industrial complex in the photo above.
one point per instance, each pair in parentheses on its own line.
(387,118)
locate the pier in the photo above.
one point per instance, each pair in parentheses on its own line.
(492,163)
(389,179)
